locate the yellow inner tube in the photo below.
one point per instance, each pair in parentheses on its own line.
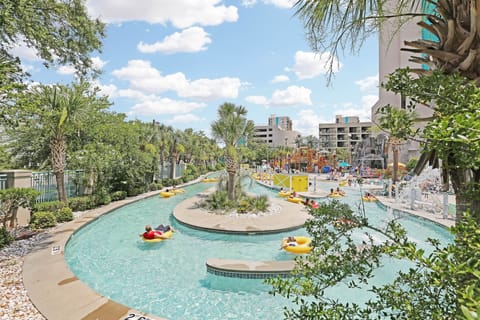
(167,234)
(335,195)
(178,191)
(369,199)
(284,193)
(300,246)
(295,199)
(166,194)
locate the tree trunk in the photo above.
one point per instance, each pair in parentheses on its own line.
(58,149)
(395,163)
(232,172)
(466,193)
(13,217)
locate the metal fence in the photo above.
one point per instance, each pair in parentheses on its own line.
(3,181)
(46,184)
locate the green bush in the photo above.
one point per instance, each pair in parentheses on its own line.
(167,182)
(188,178)
(102,196)
(81,203)
(133,191)
(49,206)
(260,203)
(64,214)
(42,220)
(118,195)
(5,237)
(152,186)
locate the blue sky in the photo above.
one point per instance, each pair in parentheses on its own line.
(178,61)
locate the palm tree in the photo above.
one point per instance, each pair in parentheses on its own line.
(232,128)
(398,123)
(59,110)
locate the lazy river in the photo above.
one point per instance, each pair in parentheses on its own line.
(169,279)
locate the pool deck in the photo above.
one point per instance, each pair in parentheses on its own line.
(58,294)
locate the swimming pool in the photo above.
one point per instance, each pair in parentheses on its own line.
(169,279)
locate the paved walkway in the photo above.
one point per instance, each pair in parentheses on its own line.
(58,294)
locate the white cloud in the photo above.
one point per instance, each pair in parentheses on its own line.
(362,110)
(185,118)
(158,105)
(189,40)
(280,78)
(310,65)
(145,78)
(66,70)
(25,53)
(368,83)
(181,13)
(109,90)
(291,96)
(307,122)
(248,3)
(98,63)
(287,4)
(257,100)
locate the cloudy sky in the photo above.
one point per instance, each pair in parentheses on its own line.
(178,61)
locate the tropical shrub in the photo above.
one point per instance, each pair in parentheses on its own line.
(118,195)
(64,214)
(102,196)
(5,237)
(42,220)
(49,206)
(81,203)
(152,186)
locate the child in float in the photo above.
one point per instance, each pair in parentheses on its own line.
(153,234)
(340,192)
(290,242)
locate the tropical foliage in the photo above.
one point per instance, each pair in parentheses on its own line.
(443,284)
(233,129)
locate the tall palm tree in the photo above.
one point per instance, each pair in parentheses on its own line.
(398,124)
(232,128)
(62,109)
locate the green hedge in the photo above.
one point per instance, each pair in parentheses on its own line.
(63,215)
(5,237)
(118,195)
(81,203)
(42,220)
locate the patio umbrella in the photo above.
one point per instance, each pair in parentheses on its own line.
(343,164)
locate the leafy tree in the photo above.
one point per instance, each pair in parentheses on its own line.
(61,31)
(452,135)
(232,128)
(337,25)
(440,284)
(398,124)
(54,112)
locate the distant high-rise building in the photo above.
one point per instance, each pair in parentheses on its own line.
(344,133)
(391,40)
(277,133)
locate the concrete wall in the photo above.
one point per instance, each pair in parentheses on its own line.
(20,179)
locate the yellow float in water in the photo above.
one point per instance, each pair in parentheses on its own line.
(301,245)
(335,195)
(369,199)
(283,193)
(295,199)
(176,190)
(166,194)
(167,234)
(210,180)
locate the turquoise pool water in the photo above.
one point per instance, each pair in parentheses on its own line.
(169,279)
